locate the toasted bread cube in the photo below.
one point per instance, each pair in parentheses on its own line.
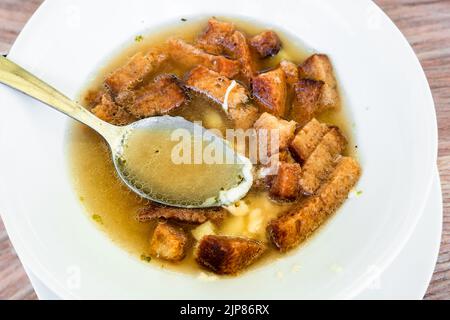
(239,49)
(285,185)
(270,90)
(290,70)
(168,242)
(156,211)
(320,163)
(243,116)
(292,228)
(285,128)
(134,72)
(213,40)
(190,56)
(267,44)
(157,98)
(109,111)
(228,255)
(318,67)
(214,86)
(307,97)
(307,139)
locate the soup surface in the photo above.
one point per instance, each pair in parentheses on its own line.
(113,207)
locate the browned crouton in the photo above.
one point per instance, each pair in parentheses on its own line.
(307,139)
(168,242)
(191,216)
(285,128)
(213,40)
(285,185)
(228,255)
(133,73)
(295,226)
(318,67)
(286,156)
(320,163)
(243,116)
(190,56)
(271,91)
(157,98)
(239,49)
(306,104)
(290,70)
(110,112)
(267,44)
(215,86)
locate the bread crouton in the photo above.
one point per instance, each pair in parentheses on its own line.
(227,255)
(267,44)
(270,91)
(168,242)
(107,110)
(213,40)
(190,56)
(285,184)
(293,227)
(290,70)
(243,116)
(239,49)
(318,67)
(286,129)
(156,98)
(307,139)
(215,86)
(156,211)
(321,161)
(306,104)
(134,71)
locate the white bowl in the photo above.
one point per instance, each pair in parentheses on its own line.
(385,89)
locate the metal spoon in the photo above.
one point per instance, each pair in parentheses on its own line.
(18,78)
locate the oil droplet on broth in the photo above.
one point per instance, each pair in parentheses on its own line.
(148,164)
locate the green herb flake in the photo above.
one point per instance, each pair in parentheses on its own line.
(183,19)
(146,258)
(358,193)
(138,38)
(97,218)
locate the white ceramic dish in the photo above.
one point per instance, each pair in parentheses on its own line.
(384,86)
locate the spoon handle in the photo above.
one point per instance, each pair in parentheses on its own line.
(18,78)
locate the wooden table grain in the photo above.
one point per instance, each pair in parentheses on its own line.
(426,25)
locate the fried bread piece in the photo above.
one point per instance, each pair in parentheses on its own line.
(191,216)
(285,184)
(321,161)
(290,70)
(168,242)
(190,56)
(134,72)
(307,139)
(270,90)
(267,44)
(238,47)
(214,86)
(306,104)
(156,98)
(293,227)
(227,255)
(215,37)
(109,111)
(286,129)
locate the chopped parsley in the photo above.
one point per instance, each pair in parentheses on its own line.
(183,19)
(358,193)
(138,38)
(97,218)
(146,258)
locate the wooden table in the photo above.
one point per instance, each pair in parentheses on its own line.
(425,23)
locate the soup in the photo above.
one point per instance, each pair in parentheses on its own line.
(276,84)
